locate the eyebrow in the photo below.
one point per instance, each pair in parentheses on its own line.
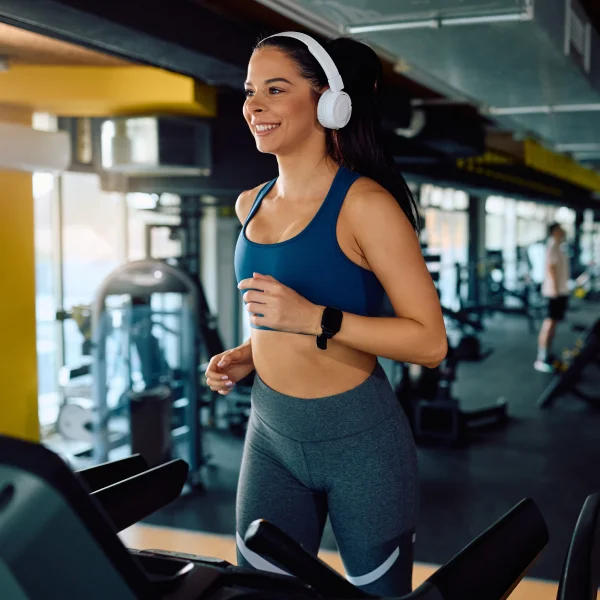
(267,81)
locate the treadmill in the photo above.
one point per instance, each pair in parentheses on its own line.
(58,539)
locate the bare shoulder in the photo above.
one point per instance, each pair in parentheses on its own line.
(244,202)
(369,202)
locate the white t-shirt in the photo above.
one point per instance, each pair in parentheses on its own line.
(555,255)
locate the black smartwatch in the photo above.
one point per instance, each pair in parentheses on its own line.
(331,323)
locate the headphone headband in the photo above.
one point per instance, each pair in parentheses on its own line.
(331,72)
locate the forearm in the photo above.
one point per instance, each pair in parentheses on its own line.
(247,345)
(399,339)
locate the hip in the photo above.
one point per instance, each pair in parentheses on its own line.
(328,417)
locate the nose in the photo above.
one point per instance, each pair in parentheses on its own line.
(253,105)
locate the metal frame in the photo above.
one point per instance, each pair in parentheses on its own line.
(190,306)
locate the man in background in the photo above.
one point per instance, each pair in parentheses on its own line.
(555,288)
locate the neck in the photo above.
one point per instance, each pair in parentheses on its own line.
(304,173)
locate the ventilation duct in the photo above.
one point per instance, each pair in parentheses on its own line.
(156,146)
(25,149)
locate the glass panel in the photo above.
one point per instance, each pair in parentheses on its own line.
(93,232)
(47,330)
(164,244)
(447,234)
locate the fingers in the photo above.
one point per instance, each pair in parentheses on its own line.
(220,383)
(254,296)
(265,284)
(216,379)
(256,308)
(265,277)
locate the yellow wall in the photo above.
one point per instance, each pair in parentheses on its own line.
(18,359)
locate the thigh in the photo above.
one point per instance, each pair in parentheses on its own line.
(267,489)
(373,504)
(557,308)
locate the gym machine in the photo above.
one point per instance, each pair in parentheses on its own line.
(58,538)
(468,346)
(481,288)
(140,384)
(569,381)
(434,414)
(425,394)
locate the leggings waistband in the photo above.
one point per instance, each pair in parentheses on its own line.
(328,417)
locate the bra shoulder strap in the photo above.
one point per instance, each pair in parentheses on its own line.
(259,198)
(341,184)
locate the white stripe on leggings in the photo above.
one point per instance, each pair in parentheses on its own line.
(257,561)
(374,575)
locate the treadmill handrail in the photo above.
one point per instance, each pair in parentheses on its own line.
(100,476)
(580,575)
(494,563)
(43,463)
(489,568)
(128,501)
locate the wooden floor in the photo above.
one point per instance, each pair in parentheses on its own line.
(151,537)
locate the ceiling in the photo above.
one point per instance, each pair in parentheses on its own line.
(20,46)
(507,57)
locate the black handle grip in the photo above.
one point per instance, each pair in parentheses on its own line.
(268,540)
(101,476)
(127,502)
(494,562)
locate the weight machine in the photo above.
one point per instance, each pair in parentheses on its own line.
(145,326)
(569,381)
(482,289)
(434,414)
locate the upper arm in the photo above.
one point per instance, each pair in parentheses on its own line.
(552,256)
(392,250)
(244,203)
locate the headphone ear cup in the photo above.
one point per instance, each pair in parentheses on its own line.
(334,109)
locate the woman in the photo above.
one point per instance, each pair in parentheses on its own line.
(318,248)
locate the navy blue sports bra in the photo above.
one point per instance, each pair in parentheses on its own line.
(312,262)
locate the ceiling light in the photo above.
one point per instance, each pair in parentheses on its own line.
(441,22)
(481,19)
(577,147)
(429,24)
(543,109)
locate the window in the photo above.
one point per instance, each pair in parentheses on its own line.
(447,235)
(93,246)
(163,242)
(48,334)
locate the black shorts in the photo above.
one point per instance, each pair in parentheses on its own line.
(557,307)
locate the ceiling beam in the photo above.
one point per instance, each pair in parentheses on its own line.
(176,35)
(77,91)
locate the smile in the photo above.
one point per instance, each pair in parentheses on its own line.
(262,130)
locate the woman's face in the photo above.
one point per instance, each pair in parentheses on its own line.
(280,106)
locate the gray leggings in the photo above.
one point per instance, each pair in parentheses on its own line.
(351,455)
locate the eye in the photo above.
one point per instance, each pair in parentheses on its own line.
(248,93)
(274,90)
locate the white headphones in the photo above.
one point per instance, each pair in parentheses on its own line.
(335,107)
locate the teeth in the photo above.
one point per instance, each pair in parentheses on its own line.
(266,127)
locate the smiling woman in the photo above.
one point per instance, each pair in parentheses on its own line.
(319,247)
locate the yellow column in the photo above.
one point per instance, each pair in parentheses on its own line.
(18,357)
